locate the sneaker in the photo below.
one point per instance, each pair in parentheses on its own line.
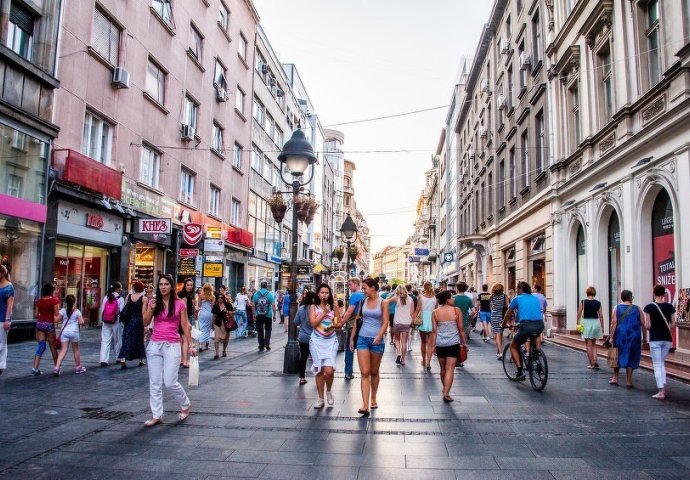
(36,372)
(319,403)
(268,349)
(56,371)
(349,376)
(329,398)
(397,360)
(104,364)
(520,376)
(80,369)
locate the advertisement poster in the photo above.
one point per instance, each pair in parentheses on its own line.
(664,246)
(683,306)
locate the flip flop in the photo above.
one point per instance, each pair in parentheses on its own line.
(153,422)
(184,413)
(363,412)
(374,406)
(613,382)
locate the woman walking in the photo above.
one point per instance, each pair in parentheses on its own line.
(47,313)
(660,321)
(205,300)
(6,305)
(370,343)
(499,306)
(188,296)
(69,335)
(590,316)
(241,304)
(626,336)
(163,351)
(402,322)
(323,343)
(427,305)
(133,330)
(448,334)
(302,320)
(221,313)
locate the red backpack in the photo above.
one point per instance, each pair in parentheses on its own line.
(110,311)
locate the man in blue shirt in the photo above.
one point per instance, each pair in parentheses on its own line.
(527,309)
(356,297)
(264,307)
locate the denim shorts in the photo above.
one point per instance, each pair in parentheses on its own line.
(367,343)
(485,317)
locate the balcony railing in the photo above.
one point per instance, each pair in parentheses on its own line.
(85,172)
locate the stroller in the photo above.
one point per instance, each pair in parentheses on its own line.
(251,323)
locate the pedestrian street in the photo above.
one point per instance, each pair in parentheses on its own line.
(250,421)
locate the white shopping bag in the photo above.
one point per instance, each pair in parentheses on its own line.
(193,371)
(196,333)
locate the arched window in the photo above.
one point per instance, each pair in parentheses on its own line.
(663,244)
(581,253)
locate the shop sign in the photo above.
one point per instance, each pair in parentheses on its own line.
(146,201)
(536,244)
(448,257)
(187,267)
(191,233)
(214,232)
(94,221)
(213,270)
(155,225)
(413,259)
(421,251)
(212,245)
(189,252)
(213,258)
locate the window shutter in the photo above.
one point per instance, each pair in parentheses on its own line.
(22,18)
(105,37)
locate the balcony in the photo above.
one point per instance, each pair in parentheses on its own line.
(240,236)
(86,173)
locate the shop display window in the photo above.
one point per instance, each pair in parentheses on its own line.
(142,263)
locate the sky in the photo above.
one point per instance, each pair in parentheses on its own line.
(362,59)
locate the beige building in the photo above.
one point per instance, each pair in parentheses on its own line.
(391,262)
(363,241)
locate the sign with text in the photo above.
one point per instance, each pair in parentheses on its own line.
(214,232)
(213,245)
(413,259)
(189,252)
(213,270)
(155,225)
(191,233)
(421,251)
(187,267)
(94,221)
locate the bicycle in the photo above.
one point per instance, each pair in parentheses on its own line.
(534,363)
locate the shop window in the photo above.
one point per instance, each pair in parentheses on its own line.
(196,43)
(237,156)
(20,30)
(581,261)
(187,180)
(149,170)
(663,244)
(105,39)
(239,100)
(20,252)
(511,279)
(155,82)
(97,142)
(144,263)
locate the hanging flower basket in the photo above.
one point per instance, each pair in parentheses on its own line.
(278,207)
(354,251)
(301,206)
(313,207)
(338,253)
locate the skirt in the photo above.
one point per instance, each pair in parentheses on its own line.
(592,329)
(219,333)
(401,328)
(323,352)
(449,351)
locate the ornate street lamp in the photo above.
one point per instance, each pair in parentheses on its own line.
(349,231)
(297,155)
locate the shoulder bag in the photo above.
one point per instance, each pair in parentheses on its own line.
(57,343)
(668,327)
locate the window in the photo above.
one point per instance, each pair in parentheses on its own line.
(197,43)
(237,156)
(518,4)
(106,37)
(191,112)
(653,49)
(605,76)
(268,170)
(523,71)
(235,212)
(219,75)
(502,184)
(489,195)
(242,47)
(217,140)
(149,170)
(575,124)
(223,17)
(259,112)
(279,137)
(239,100)
(537,47)
(270,125)
(511,85)
(512,174)
(524,143)
(98,138)
(15,185)
(214,201)
(21,31)
(164,9)
(257,159)
(187,179)
(539,143)
(155,82)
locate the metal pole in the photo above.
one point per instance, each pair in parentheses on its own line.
(347,284)
(291,360)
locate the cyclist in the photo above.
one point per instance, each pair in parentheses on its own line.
(529,315)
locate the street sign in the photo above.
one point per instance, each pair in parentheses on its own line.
(213,270)
(155,225)
(448,257)
(421,251)
(413,259)
(191,233)
(189,252)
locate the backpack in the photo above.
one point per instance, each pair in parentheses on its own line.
(262,305)
(110,311)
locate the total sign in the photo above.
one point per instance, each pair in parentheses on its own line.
(155,225)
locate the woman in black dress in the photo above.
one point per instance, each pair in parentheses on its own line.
(133,331)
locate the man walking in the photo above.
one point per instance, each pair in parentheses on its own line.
(356,297)
(264,309)
(465,304)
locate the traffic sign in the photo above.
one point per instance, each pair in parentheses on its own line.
(421,251)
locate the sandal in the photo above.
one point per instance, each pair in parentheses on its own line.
(374,406)
(448,398)
(184,413)
(613,382)
(153,422)
(363,412)
(302,381)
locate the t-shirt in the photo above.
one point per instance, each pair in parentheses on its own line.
(355,298)
(659,332)
(485,302)
(542,301)
(590,308)
(269,296)
(46,309)
(528,308)
(5,293)
(464,303)
(241,300)
(167,326)
(72,325)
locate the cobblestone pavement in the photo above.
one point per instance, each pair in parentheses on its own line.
(249,420)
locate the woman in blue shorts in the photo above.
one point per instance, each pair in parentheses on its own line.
(370,343)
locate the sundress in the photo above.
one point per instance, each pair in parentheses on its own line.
(205,321)
(133,334)
(498,302)
(628,336)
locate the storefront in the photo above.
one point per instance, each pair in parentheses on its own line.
(537,261)
(510,270)
(148,256)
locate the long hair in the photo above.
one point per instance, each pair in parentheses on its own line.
(428,288)
(3,271)
(183,293)
(329,300)
(401,292)
(70,300)
(159,297)
(308,299)
(207,293)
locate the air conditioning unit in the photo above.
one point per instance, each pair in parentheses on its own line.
(505,46)
(120,78)
(525,61)
(482,132)
(279,92)
(502,102)
(188,132)
(470,154)
(271,81)
(264,68)
(484,86)
(221,94)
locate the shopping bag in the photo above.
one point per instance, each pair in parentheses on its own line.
(196,332)
(612,357)
(426,325)
(193,372)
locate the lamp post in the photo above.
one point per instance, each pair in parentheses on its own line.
(349,231)
(297,155)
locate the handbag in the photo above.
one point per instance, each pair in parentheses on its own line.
(57,343)
(417,321)
(230,322)
(126,313)
(358,319)
(193,372)
(462,355)
(612,357)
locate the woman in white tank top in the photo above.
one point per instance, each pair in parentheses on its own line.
(404,311)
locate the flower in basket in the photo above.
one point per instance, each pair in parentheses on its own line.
(580,328)
(278,207)
(338,253)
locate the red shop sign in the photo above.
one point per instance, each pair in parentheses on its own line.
(189,252)
(192,233)
(94,221)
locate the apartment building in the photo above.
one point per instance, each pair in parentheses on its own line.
(153,156)
(618,78)
(423,257)
(28,65)
(359,263)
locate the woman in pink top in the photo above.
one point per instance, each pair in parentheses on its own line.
(163,351)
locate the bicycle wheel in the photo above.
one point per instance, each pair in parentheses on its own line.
(539,370)
(509,366)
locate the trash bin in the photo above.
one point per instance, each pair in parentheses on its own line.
(340,335)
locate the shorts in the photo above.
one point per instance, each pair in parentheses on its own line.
(485,317)
(69,336)
(45,327)
(401,328)
(367,343)
(449,351)
(526,329)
